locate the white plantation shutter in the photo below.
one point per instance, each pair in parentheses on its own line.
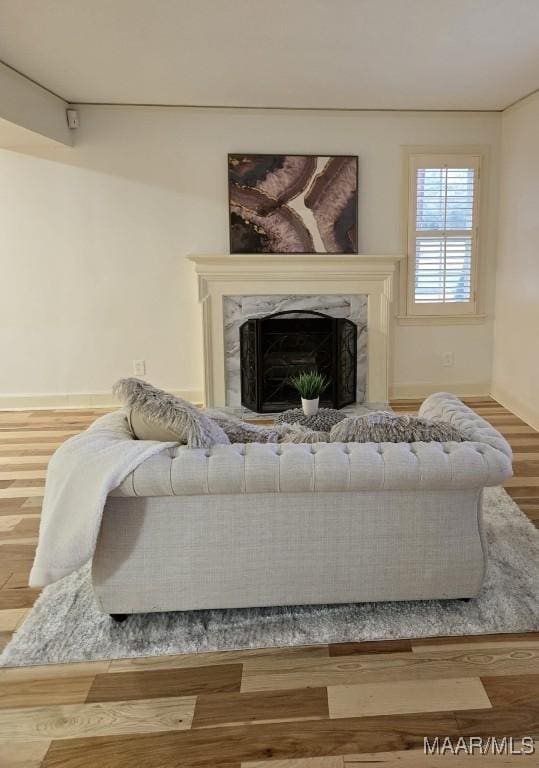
(443,233)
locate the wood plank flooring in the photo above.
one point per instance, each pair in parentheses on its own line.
(336,706)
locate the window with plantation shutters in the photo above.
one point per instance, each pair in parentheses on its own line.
(442,233)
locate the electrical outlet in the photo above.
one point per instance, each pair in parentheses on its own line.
(448,359)
(139,367)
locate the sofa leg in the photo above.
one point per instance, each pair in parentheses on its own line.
(118,617)
(465,599)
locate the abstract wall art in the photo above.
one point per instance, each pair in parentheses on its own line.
(293,203)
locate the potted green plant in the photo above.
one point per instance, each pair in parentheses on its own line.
(310,385)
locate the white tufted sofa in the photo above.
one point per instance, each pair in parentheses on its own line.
(265,524)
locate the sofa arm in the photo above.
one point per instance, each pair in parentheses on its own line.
(318,467)
(443,406)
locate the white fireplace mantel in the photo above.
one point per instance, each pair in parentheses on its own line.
(222,275)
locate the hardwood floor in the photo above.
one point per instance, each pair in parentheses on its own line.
(336,706)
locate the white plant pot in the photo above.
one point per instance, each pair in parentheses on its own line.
(310,407)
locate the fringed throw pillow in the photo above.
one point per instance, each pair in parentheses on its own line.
(158,415)
(239,431)
(384,427)
(297,433)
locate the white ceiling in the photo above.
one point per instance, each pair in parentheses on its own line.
(362,54)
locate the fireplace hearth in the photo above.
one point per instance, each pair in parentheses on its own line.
(280,345)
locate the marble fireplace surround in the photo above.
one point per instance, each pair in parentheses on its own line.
(238,309)
(221,276)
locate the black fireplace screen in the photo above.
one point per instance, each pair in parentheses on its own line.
(281,345)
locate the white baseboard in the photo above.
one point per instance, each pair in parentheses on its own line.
(412,391)
(74,400)
(522,410)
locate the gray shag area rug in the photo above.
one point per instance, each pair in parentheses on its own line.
(66,626)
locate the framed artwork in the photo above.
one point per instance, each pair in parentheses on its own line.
(293,203)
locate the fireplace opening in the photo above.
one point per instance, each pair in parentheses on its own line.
(281,345)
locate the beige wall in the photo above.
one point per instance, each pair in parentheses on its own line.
(94,240)
(515,380)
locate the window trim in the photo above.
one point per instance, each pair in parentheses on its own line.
(458,312)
